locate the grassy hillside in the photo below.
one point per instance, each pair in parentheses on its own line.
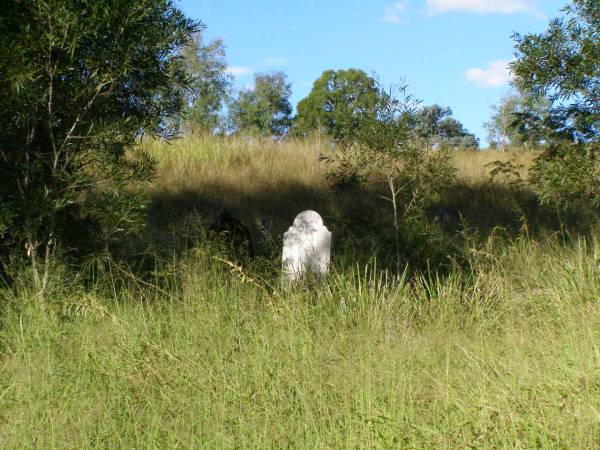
(262,182)
(498,349)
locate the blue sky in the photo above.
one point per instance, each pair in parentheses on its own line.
(450,52)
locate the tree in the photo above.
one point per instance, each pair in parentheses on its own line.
(383,149)
(264,109)
(80,82)
(210,86)
(519,120)
(427,119)
(371,126)
(338,104)
(435,124)
(563,64)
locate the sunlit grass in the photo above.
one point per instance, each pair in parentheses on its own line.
(501,352)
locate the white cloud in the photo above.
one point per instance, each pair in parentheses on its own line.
(239,71)
(392,13)
(273,61)
(496,74)
(484,6)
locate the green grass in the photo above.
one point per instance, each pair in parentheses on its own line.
(503,355)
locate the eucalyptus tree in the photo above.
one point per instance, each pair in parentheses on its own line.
(520,120)
(339,104)
(263,109)
(210,85)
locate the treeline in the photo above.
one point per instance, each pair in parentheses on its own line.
(554,106)
(338,101)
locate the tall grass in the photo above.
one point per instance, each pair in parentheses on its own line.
(261,181)
(501,352)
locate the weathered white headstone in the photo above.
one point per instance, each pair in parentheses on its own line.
(306,246)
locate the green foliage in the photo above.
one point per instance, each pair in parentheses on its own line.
(520,120)
(383,151)
(346,104)
(339,104)
(419,176)
(435,125)
(80,82)
(563,64)
(366,141)
(210,83)
(508,172)
(568,176)
(264,109)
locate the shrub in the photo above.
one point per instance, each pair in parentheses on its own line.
(80,82)
(414,173)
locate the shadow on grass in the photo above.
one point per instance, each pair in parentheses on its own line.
(360,220)
(484,207)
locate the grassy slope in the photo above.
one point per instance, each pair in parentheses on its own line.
(505,357)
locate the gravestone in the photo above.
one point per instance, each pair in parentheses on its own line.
(306,246)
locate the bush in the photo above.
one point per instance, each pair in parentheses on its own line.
(568,176)
(563,64)
(414,173)
(80,82)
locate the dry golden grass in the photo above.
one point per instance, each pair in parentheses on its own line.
(197,159)
(473,166)
(201,160)
(253,178)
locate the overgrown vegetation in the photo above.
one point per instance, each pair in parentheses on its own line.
(461,309)
(80,82)
(563,65)
(199,353)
